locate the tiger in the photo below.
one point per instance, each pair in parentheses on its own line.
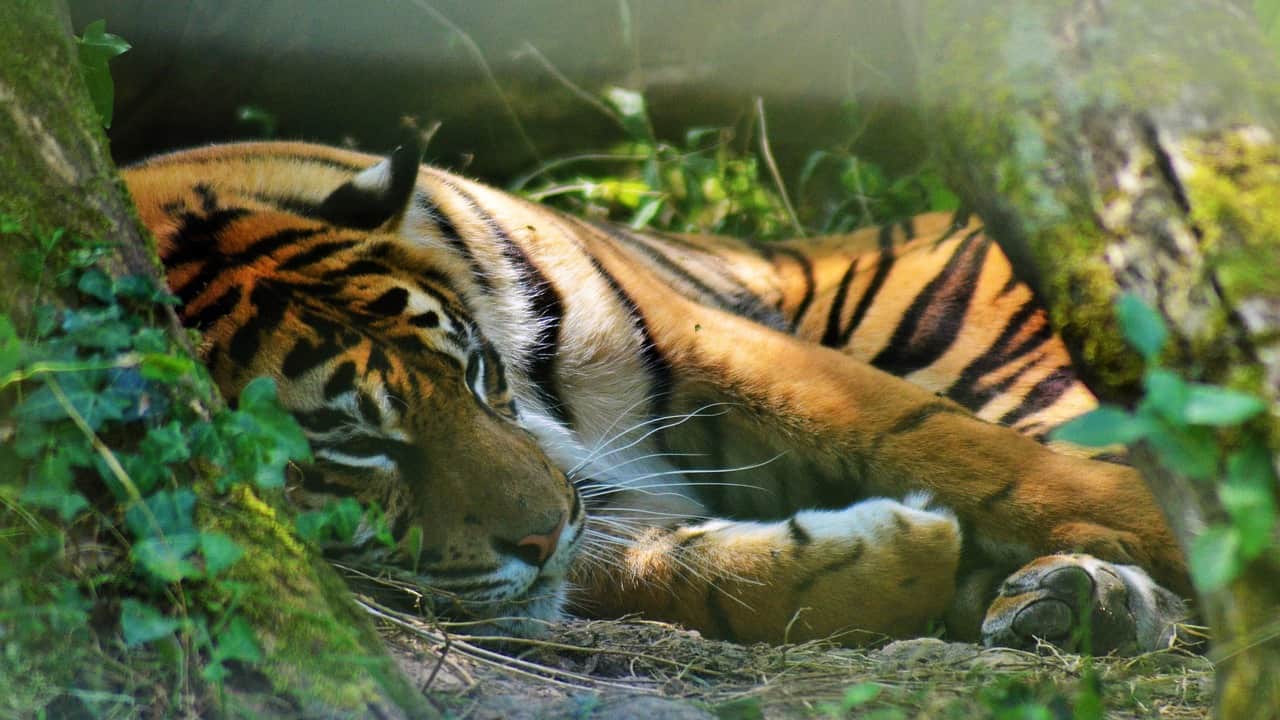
(839,438)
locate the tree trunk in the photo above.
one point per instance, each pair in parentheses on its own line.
(1119,146)
(321,654)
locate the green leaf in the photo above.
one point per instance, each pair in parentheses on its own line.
(237,642)
(1107,425)
(744,708)
(52,486)
(649,207)
(1215,558)
(96,284)
(1189,451)
(142,623)
(166,368)
(1142,326)
(220,552)
(168,512)
(1166,395)
(860,694)
(166,558)
(631,110)
(96,48)
(1247,496)
(1219,406)
(165,444)
(10,347)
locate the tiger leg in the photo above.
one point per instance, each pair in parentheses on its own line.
(877,568)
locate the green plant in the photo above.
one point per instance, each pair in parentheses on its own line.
(107,433)
(1199,431)
(706,183)
(96,47)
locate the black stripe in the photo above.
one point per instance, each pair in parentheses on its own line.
(657,365)
(322,420)
(217,264)
(341,381)
(1042,395)
(806,268)
(919,416)
(851,558)
(884,263)
(450,231)
(356,269)
(391,302)
(269,306)
(403,454)
(314,480)
(638,244)
(917,342)
(548,309)
(799,535)
(831,337)
(316,253)
(304,355)
(216,310)
(966,389)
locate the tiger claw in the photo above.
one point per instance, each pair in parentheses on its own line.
(1082,604)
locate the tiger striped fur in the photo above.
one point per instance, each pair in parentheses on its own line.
(775,443)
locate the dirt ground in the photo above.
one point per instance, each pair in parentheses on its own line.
(653,671)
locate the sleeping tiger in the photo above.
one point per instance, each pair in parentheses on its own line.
(830,437)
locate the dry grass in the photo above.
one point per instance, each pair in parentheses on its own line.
(652,670)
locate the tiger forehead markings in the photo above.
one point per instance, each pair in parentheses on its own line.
(697,429)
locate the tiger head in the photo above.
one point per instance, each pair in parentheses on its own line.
(296,267)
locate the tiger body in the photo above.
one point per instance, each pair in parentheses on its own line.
(550,400)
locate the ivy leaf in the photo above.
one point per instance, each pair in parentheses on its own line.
(96,48)
(165,444)
(1142,326)
(166,558)
(1219,406)
(96,284)
(52,486)
(168,512)
(237,642)
(1215,558)
(142,623)
(220,552)
(1107,425)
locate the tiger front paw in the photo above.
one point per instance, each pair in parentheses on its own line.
(1081,603)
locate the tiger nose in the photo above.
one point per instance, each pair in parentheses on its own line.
(535,548)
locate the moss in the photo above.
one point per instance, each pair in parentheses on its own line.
(1235,199)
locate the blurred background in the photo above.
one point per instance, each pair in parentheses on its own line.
(502,77)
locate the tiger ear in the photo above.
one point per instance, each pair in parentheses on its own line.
(378,196)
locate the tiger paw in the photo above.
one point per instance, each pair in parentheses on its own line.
(1078,603)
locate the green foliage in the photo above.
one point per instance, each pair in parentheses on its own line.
(857,699)
(708,183)
(1199,431)
(107,432)
(96,48)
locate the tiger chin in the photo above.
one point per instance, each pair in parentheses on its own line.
(831,437)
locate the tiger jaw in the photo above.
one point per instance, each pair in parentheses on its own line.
(515,598)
